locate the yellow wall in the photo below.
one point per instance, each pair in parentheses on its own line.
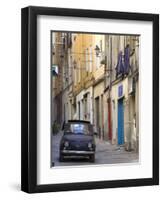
(88,64)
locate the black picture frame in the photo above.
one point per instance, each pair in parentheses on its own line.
(29,98)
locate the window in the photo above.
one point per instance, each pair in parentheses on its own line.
(90,59)
(86,60)
(79,71)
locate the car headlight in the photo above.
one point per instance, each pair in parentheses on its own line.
(66,143)
(89,145)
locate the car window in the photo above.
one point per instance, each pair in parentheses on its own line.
(79,128)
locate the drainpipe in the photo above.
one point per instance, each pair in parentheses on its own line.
(130,123)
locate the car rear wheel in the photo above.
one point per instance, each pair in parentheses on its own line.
(92,158)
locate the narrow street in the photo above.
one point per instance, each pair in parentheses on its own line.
(106,153)
(96,79)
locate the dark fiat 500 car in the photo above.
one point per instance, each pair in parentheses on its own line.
(77,140)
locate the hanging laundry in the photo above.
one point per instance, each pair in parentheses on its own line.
(120,66)
(127,59)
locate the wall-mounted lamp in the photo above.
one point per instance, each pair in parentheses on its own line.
(97,50)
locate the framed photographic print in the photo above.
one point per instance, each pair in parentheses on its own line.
(90,99)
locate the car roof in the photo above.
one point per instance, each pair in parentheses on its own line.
(78,121)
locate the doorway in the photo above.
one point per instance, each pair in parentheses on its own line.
(120,122)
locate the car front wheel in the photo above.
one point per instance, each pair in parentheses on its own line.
(92,158)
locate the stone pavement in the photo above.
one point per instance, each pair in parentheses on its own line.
(106,153)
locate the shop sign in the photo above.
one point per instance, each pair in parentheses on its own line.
(120,90)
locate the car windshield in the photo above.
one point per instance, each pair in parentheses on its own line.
(79,128)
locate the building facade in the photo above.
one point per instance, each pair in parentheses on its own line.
(122,90)
(97,80)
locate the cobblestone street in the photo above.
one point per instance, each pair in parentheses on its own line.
(106,153)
